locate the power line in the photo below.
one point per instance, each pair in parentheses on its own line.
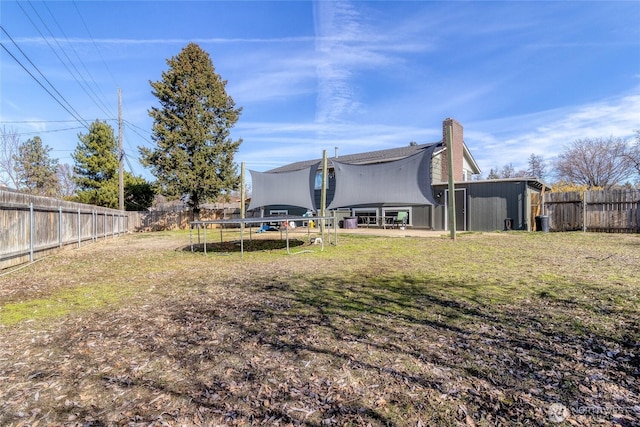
(71,73)
(137,127)
(65,54)
(133,129)
(49,131)
(75,114)
(95,45)
(35,121)
(83,65)
(126,157)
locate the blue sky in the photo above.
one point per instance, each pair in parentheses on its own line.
(521,77)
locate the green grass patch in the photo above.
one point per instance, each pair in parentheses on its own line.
(489,329)
(63,303)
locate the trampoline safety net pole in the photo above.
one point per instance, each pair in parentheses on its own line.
(323,192)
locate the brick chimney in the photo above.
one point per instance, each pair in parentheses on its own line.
(457,141)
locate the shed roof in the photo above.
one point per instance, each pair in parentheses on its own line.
(369,157)
(532,181)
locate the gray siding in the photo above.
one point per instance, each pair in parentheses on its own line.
(421,216)
(487,205)
(491,203)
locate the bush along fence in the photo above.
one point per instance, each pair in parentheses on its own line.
(32,227)
(609,211)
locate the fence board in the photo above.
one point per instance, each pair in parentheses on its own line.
(536,209)
(610,211)
(32,226)
(564,211)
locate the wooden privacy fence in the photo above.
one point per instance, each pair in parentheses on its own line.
(32,227)
(610,211)
(176,220)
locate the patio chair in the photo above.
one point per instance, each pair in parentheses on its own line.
(401,219)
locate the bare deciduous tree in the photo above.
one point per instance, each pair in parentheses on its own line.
(634,153)
(537,166)
(506,171)
(8,150)
(66,178)
(595,162)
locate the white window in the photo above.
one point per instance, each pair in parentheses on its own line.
(366,216)
(397,215)
(318,182)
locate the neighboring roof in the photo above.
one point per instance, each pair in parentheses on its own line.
(379,156)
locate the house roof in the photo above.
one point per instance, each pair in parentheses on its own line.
(369,157)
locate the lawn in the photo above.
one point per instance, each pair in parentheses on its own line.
(529,329)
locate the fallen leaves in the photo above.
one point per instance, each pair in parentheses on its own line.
(314,341)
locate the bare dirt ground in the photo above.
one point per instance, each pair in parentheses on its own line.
(504,329)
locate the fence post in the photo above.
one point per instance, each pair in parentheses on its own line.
(60,225)
(584,211)
(31,221)
(79,229)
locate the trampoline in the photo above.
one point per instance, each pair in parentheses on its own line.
(283,220)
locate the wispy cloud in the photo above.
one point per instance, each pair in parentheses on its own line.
(270,76)
(347,45)
(547,133)
(298,141)
(337,26)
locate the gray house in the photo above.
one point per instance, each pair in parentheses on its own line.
(405,186)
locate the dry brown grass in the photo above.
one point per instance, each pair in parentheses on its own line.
(489,330)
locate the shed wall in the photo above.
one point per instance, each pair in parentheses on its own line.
(422,216)
(489,204)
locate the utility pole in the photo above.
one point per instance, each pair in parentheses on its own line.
(120,155)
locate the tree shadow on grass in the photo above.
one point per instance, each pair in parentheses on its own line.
(502,361)
(376,350)
(410,353)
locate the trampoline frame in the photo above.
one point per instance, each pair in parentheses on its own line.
(282,219)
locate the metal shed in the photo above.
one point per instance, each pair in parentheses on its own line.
(491,205)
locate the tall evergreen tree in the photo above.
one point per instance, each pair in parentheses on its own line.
(194,152)
(35,169)
(96,172)
(96,166)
